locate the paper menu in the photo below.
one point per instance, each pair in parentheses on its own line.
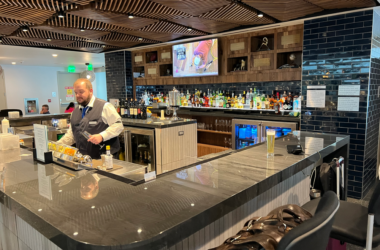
(348,103)
(353,90)
(41,141)
(316,98)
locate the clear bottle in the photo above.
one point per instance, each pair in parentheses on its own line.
(131,110)
(243,98)
(108,158)
(122,109)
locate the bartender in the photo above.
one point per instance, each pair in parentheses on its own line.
(97,117)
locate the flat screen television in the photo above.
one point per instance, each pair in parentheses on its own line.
(196,59)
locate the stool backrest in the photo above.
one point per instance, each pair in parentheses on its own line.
(4,112)
(313,234)
(374,205)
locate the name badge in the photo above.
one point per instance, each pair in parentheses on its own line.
(93,122)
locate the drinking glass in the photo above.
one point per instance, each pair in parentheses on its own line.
(270,142)
(221,125)
(216,124)
(206,127)
(210,126)
(229,142)
(230,126)
(225,142)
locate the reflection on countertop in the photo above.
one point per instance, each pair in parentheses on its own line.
(90,210)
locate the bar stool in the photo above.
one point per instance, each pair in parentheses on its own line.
(313,234)
(354,223)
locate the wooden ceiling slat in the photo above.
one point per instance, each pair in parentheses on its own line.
(114,36)
(168,27)
(194,7)
(337,4)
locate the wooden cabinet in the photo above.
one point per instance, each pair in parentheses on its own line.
(151,71)
(262,61)
(237,46)
(138,58)
(165,56)
(289,39)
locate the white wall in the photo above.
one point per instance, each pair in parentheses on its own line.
(31,82)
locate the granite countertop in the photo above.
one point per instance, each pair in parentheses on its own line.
(113,214)
(234,114)
(39,117)
(156,122)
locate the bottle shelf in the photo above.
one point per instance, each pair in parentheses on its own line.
(214,132)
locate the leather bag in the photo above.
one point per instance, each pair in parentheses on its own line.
(264,233)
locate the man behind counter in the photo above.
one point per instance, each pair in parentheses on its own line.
(97,117)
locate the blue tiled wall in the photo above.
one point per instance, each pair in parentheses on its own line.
(119,75)
(238,88)
(336,52)
(373,118)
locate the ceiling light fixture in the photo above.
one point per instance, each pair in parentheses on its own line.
(1,39)
(49,39)
(260,14)
(61,14)
(25,28)
(13,63)
(103,46)
(189,29)
(54,55)
(82,29)
(130,16)
(140,38)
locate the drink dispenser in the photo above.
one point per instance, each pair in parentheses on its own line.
(174,102)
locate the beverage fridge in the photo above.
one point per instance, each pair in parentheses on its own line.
(139,146)
(250,132)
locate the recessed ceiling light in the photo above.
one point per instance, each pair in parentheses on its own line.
(88,77)
(130,16)
(49,39)
(260,14)
(54,55)
(189,29)
(103,46)
(13,63)
(25,28)
(140,38)
(61,14)
(81,29)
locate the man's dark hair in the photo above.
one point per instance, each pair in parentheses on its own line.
(46,106)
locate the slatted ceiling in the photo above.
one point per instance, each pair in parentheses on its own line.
(210,26)
(84,44)
(142,8)
(162,37)
(22,42)
(236,13)
(114,36)
(40,4)
(169,27)
(77,22)
(7,29)
(53,43)
(118,19)
(25,14)
(327,4)
(120,44)
(80,2)
(194,7)
(285,10)
(45,34)
(14,22)
(89,34)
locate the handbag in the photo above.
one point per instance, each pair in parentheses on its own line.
(264,233)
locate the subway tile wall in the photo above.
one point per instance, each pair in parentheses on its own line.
(337,52)
(373,116)
(119,75)
(237,88)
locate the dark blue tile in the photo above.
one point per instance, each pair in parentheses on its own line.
(346,20)
(327,34)
(309,47)
(353,37)
(345,43)
(354,25)
(318,20)
(353,48)
(327,23)
(318,30)
(344,32)
(368,12)
(361,53)
(335,39)
(359,13)
(312,36)
(363,18)
(343,54)
(362,41)
(367,47)
(317,41)
(326,45)
(336,17)
(362,30)
(317,51)
(368,23)
(311,26)
(336,27)
(335,50)
(306,32)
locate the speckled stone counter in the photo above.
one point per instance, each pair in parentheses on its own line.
(196,207)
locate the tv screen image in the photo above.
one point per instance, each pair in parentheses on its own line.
(196,59)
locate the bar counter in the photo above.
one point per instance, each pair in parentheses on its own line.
(195,207)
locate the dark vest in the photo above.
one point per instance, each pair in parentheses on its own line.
(93,123)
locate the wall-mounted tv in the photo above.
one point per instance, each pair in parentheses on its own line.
(196,59)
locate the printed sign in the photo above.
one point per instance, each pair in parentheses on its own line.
(316,98)
(69,91)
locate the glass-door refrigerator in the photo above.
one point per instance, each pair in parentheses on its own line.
(250,132)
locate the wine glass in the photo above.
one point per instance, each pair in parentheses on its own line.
(229,142)
(230,126)
(221,125)
(216,124)
(225,142)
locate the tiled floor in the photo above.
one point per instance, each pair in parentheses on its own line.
(364,202)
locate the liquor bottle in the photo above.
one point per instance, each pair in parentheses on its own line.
(225,102)
(118,107)
(108,158)
(122,109)
(188,95)
(276,108)
(127,114)
(138,107)
(131,110)
(240,102)
(284,96)
(254,99)
(290,105)
(251,103)
(249,96)
(135,105)
(243,97)
(271,101)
